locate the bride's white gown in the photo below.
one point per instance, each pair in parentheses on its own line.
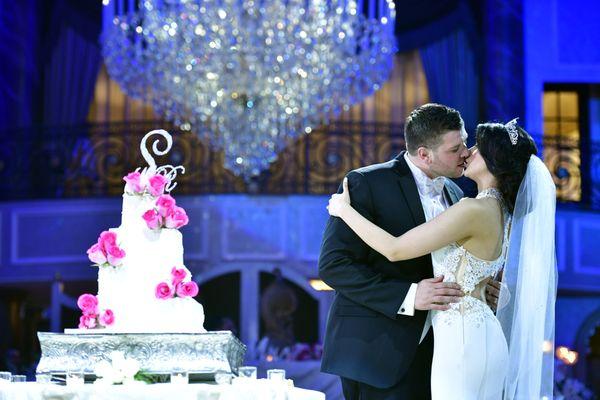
(470,355)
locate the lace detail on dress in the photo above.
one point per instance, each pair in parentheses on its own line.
(450,264)
(468,271)
(477,270)
(472,311)
(471,272)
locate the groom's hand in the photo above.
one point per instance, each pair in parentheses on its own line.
(492,294)
(435,294)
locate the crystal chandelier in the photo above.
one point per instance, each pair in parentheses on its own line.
(248,75)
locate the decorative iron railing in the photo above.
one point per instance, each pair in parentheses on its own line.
(91,160)
(575,168)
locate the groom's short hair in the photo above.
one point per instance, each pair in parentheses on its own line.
(426,125)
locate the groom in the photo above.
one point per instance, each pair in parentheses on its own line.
(378,337)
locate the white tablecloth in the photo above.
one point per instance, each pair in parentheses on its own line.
(260,389)
(305,374)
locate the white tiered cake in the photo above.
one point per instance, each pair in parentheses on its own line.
(145,312)
(129,290)
(143,285)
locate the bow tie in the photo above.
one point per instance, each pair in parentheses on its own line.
(434,187)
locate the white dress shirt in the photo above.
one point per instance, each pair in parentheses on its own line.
(431,193)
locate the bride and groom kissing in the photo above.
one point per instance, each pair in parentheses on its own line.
(439,296)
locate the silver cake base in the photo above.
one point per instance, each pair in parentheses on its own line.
(201,354)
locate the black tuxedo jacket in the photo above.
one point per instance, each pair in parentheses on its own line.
(366,339)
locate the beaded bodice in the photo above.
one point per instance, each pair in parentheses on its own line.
(471,273)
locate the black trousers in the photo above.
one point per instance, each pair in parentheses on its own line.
(414,385)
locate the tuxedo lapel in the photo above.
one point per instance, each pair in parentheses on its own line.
(408,187)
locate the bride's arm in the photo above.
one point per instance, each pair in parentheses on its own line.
(457,223)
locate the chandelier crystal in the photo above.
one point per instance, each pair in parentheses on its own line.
(247,75)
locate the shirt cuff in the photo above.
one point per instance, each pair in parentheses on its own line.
(408,306)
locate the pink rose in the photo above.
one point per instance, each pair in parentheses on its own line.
(115,255)
(156,184)
(165,204)
(187,289)
(177,218)
(87,321)
(178,275)
(107,239)
(133,182)
(96,254)
(153,219)
(88,303)
(163,291)
(107,318)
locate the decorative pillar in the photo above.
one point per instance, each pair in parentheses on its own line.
(249,307)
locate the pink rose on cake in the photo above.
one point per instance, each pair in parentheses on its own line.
(96,254)
(87,321)
(141,182)
(107,238)
(106,252)
(165,204)
(91,318)
(166,214)
(177,288)
(153,219)
(187,289)
(133,183)
(156,184)
(178,275)
(107,318)
(163,291)
(115,255)
(88,303)
(176,218)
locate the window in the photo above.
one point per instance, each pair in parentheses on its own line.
(562,140)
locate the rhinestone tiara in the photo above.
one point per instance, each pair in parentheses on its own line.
(513,132)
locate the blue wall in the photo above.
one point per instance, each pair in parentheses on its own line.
(560,46)
(41,238)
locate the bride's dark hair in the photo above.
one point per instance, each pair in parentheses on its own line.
(506,161)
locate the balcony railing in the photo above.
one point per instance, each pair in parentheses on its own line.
(91,160)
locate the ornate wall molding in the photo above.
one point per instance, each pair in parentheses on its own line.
(33,225)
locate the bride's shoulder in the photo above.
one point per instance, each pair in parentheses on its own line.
(479,209)
(471,206)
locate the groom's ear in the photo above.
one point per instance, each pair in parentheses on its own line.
(423,153)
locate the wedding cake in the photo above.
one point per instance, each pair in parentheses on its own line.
(143,285)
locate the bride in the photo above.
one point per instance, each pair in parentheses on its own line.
(509,229)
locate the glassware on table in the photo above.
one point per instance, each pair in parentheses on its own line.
(276,374)
(223,377)
(19,378)
(75,377)
(180,376)
(5,377)
(43,377)
(247,372)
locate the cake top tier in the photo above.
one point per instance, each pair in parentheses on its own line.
(153,180)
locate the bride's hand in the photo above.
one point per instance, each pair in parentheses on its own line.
(338,201)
